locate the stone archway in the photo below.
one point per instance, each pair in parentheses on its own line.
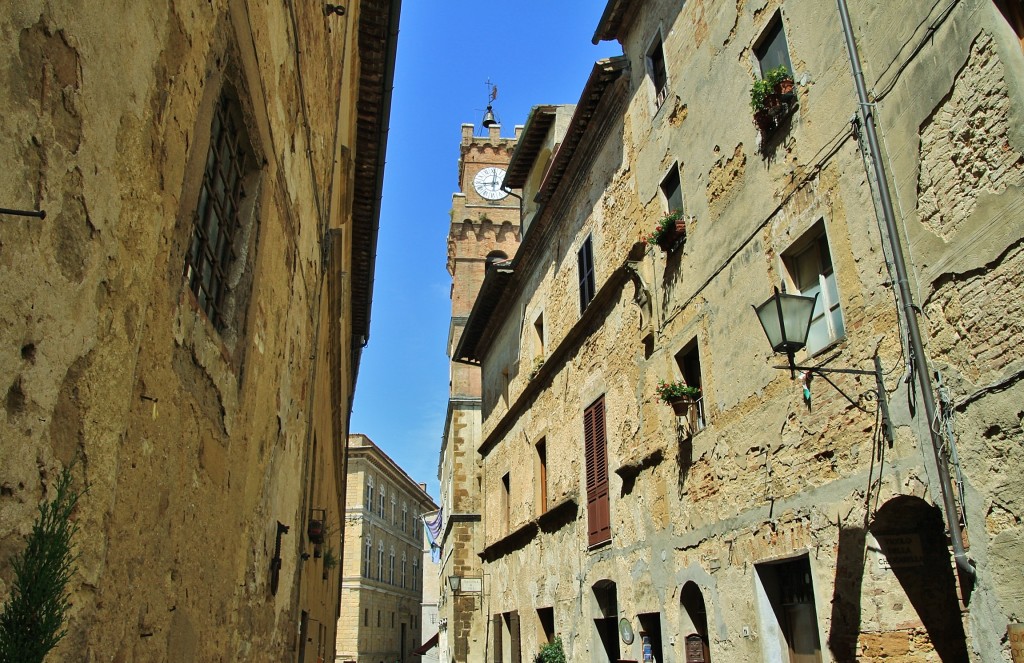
(912,536)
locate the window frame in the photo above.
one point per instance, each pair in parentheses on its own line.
(223,215)
(766,42)
(673,173)
(587,279)
(826,284)
(651,69)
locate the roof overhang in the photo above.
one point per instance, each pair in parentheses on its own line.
(378,43)
(531,140)
(617,16)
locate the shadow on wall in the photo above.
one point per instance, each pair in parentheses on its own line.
(911,535)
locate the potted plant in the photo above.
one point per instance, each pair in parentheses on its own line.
(669,230)
(538,363)
(771,97)
(317,526)
(551,652)
(679,395)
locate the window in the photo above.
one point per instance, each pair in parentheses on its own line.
(538,337)
(380,510)
(596,456)
(771,49)
(785,594)
(415,572)
(369,493)
(585,259)
(672,191)
(368,557)
(506,503)
(217,232)
(380,561)
(688,361)
(394,520)
(366,616)
(809,267)
(391,567)
(405,567)
(546,617)
(378,618)
(656,71)
(542,477)
(405,517)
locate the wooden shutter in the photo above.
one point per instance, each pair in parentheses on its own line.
(513,628)
(596,455)
(496,626)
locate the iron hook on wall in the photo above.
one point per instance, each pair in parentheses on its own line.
(337,10)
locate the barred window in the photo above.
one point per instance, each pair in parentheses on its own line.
(217,224)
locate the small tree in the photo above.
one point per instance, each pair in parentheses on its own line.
(32,622)
(552,652)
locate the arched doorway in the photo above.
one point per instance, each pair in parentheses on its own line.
(693,624)
(912,537)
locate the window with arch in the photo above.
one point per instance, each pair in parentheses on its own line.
(405,568)
(391,566)
(394,502)
(369,492)
(415,572)
(368,557)
(405,517)
(380,561)
(380,511)
(221,229)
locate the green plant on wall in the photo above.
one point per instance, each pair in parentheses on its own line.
(32,622)
(330,559)
(766,86)
(552,652)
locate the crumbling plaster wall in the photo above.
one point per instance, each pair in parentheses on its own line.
(769,477)
(191,448)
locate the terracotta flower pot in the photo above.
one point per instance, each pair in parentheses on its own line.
(785,86)
(681,406)
(675,232)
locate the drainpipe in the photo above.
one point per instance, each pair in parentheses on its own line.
(965,568)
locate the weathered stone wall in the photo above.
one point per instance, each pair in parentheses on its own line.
(193,443)
(772,477)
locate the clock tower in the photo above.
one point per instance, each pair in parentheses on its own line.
(484,230)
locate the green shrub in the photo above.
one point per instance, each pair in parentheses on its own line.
(552,652)
(32,622)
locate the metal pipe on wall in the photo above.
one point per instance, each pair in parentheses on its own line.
(964,565)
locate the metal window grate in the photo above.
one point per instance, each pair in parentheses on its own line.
(216,222)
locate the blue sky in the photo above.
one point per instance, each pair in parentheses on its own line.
(540,53)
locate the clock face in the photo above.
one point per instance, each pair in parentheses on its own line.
(488,183)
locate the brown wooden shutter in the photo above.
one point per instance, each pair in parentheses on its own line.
(513,627)
(596,455)
(496,626)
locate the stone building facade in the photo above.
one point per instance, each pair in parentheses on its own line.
(382,586)
(483,235)
(184,326)
(777,518)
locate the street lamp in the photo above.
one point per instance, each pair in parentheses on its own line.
(455,582)
(786,320)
